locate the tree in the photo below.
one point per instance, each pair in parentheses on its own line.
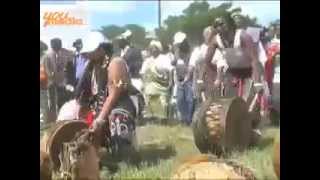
(195,18)
(111,31)
(138,34)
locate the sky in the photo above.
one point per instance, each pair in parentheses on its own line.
(145,13)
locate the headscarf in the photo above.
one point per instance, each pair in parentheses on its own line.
(156,44)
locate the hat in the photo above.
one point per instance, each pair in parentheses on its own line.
(218,21)
(179,37)
(93,40)
(235,14)
(78,41)
(125,35)
(157,44)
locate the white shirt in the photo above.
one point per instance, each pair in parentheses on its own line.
(161,62)
(146,64)
(164,62)
(199,53)
(124,51)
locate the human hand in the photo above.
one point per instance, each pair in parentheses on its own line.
(258,87)
(97,123)
(217,83)
(69,88)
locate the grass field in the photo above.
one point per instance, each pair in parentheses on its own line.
(161,148)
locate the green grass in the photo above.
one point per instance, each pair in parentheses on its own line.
(161,148)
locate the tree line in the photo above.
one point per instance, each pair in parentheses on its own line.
(192,21)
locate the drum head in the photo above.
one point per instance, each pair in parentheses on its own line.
(238,126)
(63,131)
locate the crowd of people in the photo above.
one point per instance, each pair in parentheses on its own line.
(101,85)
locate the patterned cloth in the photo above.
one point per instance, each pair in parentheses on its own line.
(156,91)
(122,128)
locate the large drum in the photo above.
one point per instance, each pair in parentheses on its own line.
(222,124)
(71,151)
(209,167)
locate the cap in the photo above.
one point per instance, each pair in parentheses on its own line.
(93,40)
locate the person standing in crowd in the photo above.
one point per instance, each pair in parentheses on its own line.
(75,68)
(262,57)
(167,50)
(105,88)
(183,78)
(54,63)
(197,66)
(156,72)
(242,78)
(130,54)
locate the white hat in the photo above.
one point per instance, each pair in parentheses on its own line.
(92,41)
(157,44)
(179,37)
(125,35)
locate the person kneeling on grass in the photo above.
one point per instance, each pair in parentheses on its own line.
(103,94)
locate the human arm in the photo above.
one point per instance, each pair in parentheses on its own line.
(117,84)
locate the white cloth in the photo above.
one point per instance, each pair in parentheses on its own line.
(69,111)
(276,78)
(157,44)
(198,54)
(262,54)
(218,57)
(275,40)
(254,33)
(161,62)
(92,41)
(237,38)
(94,85)
(124,51)
(146,64)
(170,56)
(179,37)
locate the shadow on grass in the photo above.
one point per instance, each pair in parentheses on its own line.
(265,142)
(155,121)
(152,154)
(146,156)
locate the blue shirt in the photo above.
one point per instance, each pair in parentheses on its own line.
(80,64)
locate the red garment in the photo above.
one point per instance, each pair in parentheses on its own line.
(89,118)
(273,49)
